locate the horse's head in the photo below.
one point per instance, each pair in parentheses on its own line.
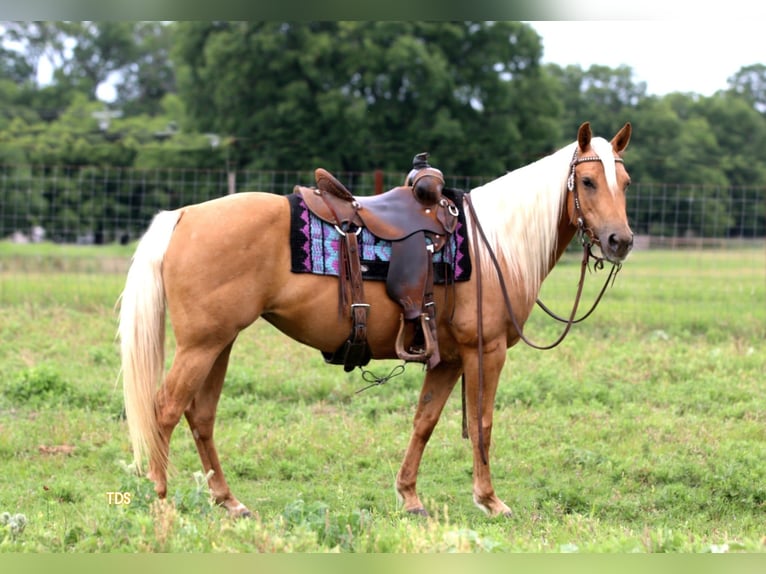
(598,182)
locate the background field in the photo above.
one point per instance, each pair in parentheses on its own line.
(643,432)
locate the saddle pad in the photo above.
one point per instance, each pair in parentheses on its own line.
(315,247)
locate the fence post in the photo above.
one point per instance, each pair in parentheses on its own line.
(231,178)
(378,181)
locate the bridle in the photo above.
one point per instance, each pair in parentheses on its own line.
(587,238)
(572,188)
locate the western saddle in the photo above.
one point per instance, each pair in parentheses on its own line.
(418,221)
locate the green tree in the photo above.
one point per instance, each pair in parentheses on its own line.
(144,81)
(98,49)
(750,83)
(607,97)
(696,159)
(363,95)
(14,67)
(38,40)
(740,132)
(84,55)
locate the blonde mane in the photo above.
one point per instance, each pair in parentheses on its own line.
(520,212)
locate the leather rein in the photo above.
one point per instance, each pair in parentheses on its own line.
(587,239)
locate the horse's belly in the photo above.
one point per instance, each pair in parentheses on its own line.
(309,312)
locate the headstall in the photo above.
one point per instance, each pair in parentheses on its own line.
(583,231)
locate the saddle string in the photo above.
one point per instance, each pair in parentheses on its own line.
(345,288)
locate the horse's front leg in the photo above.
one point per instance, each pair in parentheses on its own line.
(437,386)
(481,398)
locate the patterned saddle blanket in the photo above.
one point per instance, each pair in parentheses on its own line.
(315,247)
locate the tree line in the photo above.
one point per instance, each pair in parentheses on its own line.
(347,96)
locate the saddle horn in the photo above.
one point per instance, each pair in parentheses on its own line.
(427,182)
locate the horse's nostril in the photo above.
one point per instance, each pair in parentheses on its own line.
(620,243)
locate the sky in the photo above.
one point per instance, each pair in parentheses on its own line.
(669,55)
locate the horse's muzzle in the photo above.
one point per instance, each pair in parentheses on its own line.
(616,245)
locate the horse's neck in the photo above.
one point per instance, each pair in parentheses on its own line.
(529,226)
(566,233)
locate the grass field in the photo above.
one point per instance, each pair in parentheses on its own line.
(644,432)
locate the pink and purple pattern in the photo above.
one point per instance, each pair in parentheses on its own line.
(315,248)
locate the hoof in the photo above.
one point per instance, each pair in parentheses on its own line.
(418,512)
(240,511)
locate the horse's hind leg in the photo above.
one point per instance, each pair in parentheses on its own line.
(200,415)
(191,367)
(437,386)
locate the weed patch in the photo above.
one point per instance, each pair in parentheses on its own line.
(38,386)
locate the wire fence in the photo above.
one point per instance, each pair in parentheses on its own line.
(101,205)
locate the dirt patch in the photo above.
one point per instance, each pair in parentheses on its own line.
(65,449)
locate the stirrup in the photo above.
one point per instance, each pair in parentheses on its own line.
(421,356)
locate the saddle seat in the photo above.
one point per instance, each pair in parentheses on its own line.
(418,221)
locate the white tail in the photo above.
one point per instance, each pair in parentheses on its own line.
(142,336)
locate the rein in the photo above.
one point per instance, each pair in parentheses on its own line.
(587,239)
(587,255)
(609,280)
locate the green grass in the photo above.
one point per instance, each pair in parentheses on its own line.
(643,432)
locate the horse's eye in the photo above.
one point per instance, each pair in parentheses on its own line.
(588,182)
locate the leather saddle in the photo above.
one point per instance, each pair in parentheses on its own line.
(418,220)
(393,215)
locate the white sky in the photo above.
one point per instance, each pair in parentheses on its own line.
(670,56)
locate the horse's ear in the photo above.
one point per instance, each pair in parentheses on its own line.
(583,136)
(621,139)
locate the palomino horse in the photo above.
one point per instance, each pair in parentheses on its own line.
(219,265)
